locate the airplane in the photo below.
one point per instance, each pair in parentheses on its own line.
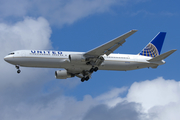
(83,64)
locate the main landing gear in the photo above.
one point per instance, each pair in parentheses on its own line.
(86,75)
(18,70)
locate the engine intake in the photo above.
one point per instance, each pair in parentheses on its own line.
(63,74)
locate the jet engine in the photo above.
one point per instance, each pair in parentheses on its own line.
(63,74)
(75,58)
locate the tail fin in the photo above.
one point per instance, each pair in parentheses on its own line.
(153,49)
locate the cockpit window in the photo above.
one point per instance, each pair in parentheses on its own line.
(11,53)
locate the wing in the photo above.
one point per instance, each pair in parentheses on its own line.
(110,46)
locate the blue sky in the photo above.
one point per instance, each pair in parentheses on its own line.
(82,25)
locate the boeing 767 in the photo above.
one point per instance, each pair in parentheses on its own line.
(83,64)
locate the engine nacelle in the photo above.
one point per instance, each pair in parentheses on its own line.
(62,74)
(75,58)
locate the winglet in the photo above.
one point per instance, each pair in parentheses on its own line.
(162,56)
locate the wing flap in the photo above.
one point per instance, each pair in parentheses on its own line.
(110,46)
(110,50)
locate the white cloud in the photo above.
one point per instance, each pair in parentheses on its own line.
(159,98)
(30,34)
(166,112)
(158,92)
(58,12)
(13,8)
(122,111)
(66,108)
(27,34)
(63,12)
(66,12)
(112,98)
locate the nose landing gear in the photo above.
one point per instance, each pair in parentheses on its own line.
(18,69)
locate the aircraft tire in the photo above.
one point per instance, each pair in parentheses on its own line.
(87,78)
(95,69)
(18,71)
(17,66)
(82,79)
(91,70)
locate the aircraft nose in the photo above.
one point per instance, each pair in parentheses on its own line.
(8,58)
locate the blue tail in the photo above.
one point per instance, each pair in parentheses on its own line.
(153,49)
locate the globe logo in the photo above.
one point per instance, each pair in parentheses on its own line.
(150,50)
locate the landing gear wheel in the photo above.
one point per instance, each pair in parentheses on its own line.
(82,79)
(96,69)
(17,66)
(18,71)
(91,70)
(87,78)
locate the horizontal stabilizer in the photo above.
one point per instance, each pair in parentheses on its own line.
(162,56)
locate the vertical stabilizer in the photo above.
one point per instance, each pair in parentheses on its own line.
(153,49)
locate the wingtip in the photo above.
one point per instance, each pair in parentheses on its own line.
(134,30)
(174,50)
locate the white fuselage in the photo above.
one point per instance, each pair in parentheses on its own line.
(60,59)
